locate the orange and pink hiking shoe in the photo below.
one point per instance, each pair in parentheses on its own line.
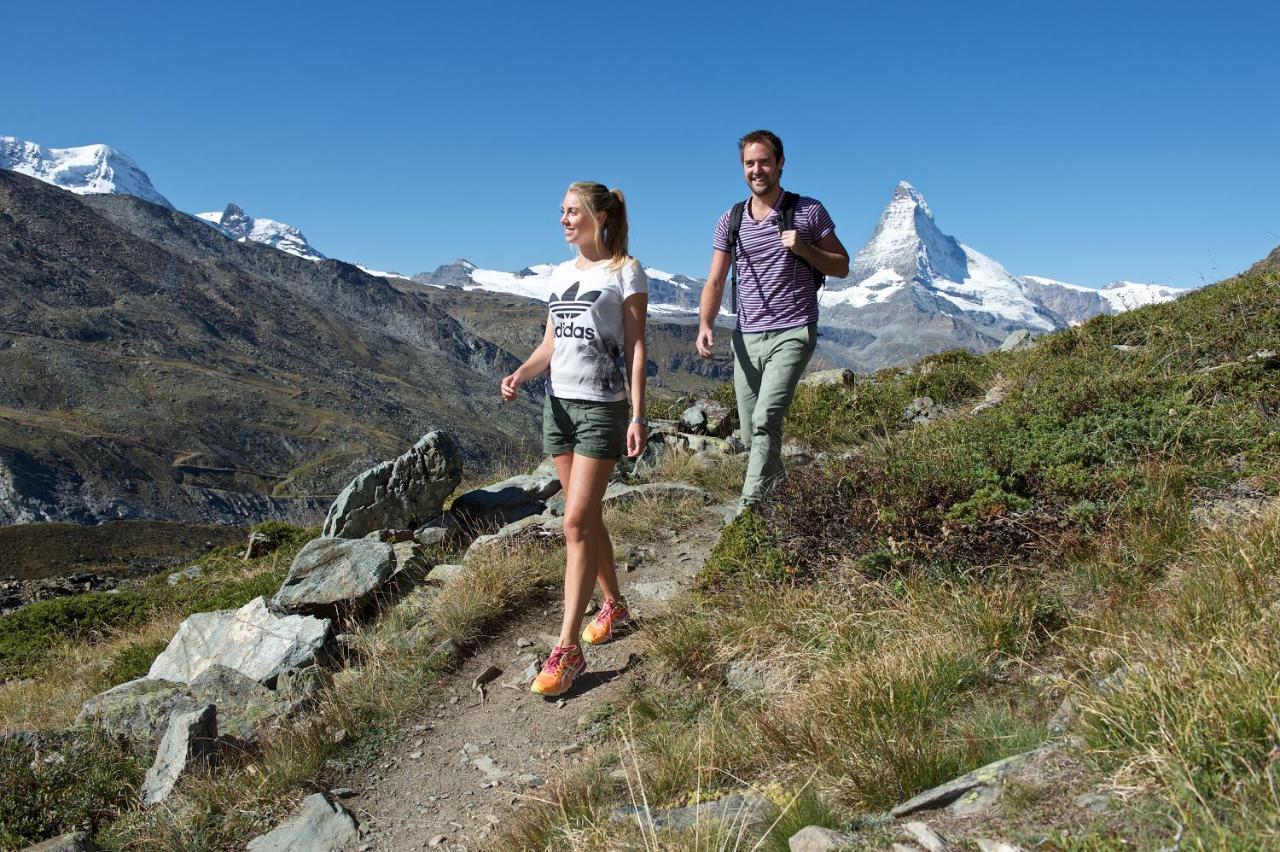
(613,618)
(559,671)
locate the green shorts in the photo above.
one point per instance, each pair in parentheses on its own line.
(594,429)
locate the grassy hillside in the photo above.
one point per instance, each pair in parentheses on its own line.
(920,601)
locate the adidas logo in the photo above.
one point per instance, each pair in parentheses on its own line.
(571,305)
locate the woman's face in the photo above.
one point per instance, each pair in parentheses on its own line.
(579,228)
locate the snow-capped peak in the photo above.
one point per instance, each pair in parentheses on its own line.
(86,170)
(907,242)
(240,226)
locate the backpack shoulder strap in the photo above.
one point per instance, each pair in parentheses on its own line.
(735,225)
(787,212)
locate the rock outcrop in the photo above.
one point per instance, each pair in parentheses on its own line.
(252,640)
(402,494)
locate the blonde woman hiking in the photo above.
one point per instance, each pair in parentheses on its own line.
(594,412)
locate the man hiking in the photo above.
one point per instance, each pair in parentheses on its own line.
(781,247)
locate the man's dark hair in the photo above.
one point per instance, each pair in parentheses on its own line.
(762,137)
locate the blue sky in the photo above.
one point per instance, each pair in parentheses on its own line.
(1086,142)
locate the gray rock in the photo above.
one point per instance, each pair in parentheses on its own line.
(138,710)
(747,809)
(922,409)
(444,573)
(403,493)
(410,557)
(319,826)
(430,536)
(534,526)
(190,573)
(331,576)
(252,640)
(815,838)
(928,839)
(76,841)
(994,397)
(618,494)
(1017,340)
(511,499)
(972,792)
(189,744)
(258,545)
(707,444)
(244,705)
(693,419)
(1096,803)
(987,845)
(830,377)
(719,419)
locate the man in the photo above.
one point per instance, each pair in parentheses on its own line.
(777,302)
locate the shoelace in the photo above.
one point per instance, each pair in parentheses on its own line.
(556,661)
(609,611)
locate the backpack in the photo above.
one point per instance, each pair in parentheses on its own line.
(786,217)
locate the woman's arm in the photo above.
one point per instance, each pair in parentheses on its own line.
(633,321)
(535,365)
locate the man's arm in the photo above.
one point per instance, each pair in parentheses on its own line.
(712,295)
(828,255)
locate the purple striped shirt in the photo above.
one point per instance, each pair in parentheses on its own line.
(775,288)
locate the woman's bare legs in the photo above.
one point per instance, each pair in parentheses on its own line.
(589,551)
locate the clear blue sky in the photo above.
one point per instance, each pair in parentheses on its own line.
(1083,141)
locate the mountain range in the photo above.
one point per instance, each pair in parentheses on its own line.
(219,368)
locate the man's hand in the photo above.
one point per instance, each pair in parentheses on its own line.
(706,340)
(511,384)
(791,242)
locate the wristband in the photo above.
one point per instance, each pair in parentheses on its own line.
(639,420)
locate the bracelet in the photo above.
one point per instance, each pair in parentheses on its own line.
(639,420)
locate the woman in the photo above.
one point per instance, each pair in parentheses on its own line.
(596,319)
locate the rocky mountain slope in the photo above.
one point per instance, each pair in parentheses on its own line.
(150,367)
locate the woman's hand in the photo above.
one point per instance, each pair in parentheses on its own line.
(510,385)
(637,437)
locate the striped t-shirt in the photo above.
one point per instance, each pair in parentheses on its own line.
(775,288)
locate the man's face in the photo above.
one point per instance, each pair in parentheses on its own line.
(762,170)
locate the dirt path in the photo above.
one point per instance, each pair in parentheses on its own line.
(462,764)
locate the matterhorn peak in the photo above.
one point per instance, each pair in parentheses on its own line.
(907,243)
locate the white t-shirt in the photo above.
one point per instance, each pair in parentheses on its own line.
(586,317)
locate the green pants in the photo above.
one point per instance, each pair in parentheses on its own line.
(767,366)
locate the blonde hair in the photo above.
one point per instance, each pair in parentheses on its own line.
(596,198)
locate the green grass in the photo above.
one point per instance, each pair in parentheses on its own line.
(908,599)
(82,784)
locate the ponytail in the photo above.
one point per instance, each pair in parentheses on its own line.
(598,199)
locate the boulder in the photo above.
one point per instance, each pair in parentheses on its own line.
(189,744)
(535,526)
(139,710)
(1017,340)
(438,532)
(244,705)
(830,377)
(252,640)
(320,825)
(403,493)
(815,838)
(511,499)
(333,576)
